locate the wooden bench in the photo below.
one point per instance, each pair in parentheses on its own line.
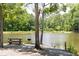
(16,41)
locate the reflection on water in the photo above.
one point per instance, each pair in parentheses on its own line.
(57,40)
(73,38)
(50,39)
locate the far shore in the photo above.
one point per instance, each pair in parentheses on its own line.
(40,31)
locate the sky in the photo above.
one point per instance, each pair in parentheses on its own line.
(30,8)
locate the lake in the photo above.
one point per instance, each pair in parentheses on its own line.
(50,39)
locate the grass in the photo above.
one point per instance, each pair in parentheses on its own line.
(72,50)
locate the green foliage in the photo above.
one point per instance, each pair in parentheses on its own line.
(16,18)
(75,26)
(53,7)
(59,22)
(71,49)
(66,22)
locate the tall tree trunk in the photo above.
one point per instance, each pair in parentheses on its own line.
(42,24)
(37,44)
(1,26)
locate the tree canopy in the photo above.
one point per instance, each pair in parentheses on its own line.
(17,18)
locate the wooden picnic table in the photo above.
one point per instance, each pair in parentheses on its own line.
(16,41)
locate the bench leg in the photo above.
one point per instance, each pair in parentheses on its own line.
(19,43)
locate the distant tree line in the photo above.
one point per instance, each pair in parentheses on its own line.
(17,19)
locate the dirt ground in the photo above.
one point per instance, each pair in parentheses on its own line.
(29,50)
(13,52)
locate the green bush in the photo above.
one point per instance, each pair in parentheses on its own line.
(72,50)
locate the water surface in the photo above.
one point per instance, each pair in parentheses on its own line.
(50,39)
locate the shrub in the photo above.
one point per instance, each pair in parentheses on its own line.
(72,50)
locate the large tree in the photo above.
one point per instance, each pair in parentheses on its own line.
(1,26)
(37,12)
(49,10)
(42,23)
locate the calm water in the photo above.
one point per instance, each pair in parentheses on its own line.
(50,39)
(55,40)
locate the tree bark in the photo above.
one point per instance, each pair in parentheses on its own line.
(42,24)
(1,26)
(37,44)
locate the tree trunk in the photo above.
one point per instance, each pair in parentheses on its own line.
(42,24)
(1,26)
(37,44)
